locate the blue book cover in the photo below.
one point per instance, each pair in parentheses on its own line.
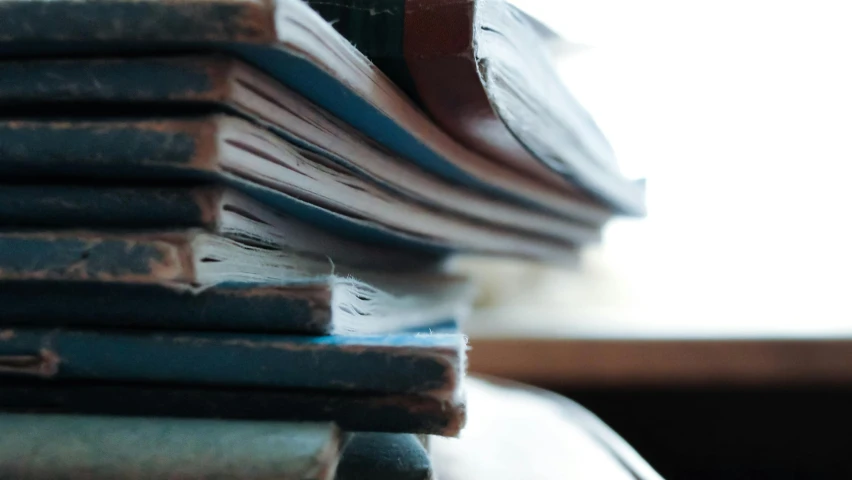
(293,44)
(56,447)
(193,280)
(427,363)
(237,153)
(373,412)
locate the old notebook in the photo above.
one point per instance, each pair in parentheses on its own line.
(36,447)
(423,363)
(375,412)
(196,280)
(147,85)
(216,209)
(480,69)
(292,43)
(253,160)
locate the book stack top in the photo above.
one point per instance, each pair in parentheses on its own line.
(221,215)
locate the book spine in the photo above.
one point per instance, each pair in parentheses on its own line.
(237,307)
(138,150)
(393,363)
(35,447)
(121,80)
(111,207)
(351,411)
(83,257)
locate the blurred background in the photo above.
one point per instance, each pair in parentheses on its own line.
(715,335)
(739,115)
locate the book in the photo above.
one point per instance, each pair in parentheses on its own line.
(100,447)
(425,363)
(162,84)
(248,158)
(193,280)
(293,44)
(479,68)
(377,412)
(35,447)
(216,209)
(384,456)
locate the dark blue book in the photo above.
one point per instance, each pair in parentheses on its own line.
(57,447)
(235,152)
(427,363)
(194,280)
(376,412)
(293,44)
(216,209)
(147,85)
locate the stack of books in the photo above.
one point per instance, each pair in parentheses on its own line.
(225,236)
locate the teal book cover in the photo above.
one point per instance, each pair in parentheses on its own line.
(193,280)
(305,309)
(353,411)
(426,363)
(293,44)
(190,151)
(57,447)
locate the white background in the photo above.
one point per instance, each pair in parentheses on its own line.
(739,114)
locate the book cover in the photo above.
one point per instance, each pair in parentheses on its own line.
(36,447)
(147,85)
(373,412)
(237,153)
(172,150)
(192,280)
(407,363)
(522,426)
(293,44)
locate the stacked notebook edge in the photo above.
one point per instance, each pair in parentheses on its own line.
(226,234)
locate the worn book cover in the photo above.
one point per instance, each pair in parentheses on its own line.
(426,363)
(55,447)
(51,446)
(250,159)
(373,412)
(194,280)
(386,456)
(217,209)
(293,44)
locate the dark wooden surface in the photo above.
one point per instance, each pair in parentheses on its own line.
(701,409)
(654,362)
